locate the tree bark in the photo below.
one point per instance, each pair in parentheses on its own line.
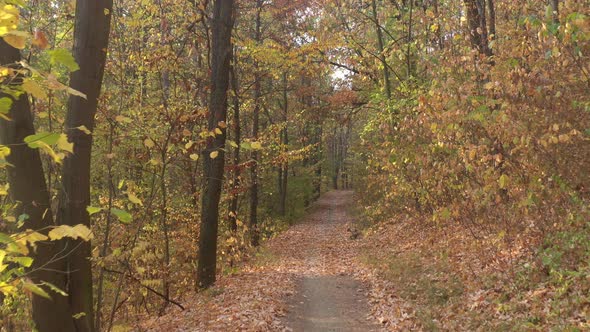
(222,24)
(381,49)
(236,125)
(284,174)
(555,8)
(476,21)
(491,19)
(91,36)
(253,221)
(29,189)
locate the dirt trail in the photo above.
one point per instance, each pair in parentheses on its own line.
(326,301)
(305,279)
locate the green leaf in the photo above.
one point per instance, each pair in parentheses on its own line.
(503,181)
(5,238)
(62,56)
(92,210)
(34,141)
(134,199)
(79,315)
(54,288)
(31,287)
(22,261)
(124,216)
(5,105)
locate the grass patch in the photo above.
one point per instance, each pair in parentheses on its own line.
(264,257)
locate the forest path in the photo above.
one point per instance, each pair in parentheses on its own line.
(328,299)
(305,279)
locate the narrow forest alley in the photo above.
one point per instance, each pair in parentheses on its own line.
(173,165)
(306,279)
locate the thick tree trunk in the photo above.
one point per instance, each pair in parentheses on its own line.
(28,187)
(91,35)
(213,167)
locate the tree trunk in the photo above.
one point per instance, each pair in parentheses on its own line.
(253,222)
(477,26)
(91,35)
(555,8)
(284,142)
(28,187)
(233,205)
(491,19)
(381,48)
(213,167)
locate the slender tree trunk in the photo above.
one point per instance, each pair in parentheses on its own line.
(477,26)
(555,8)
(253,222)
(381,48)
(236,125)
(409,62)
(318,163)
(284,143)
(222,25)
(91,35)
(491,19)
(28,187)
(105,245)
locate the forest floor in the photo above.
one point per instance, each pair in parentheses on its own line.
(397,275)
(308,278)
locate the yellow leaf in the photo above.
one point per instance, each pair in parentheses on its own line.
(4,71)
(74,232)
(84,130)
(16,41)
(149,143)
(31,287)
(65,145)
(189,145)
(214,154)
(256,145)
(194,156)
(218,131)
(31,237)
(134,199)
(33,88)
(74,92)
